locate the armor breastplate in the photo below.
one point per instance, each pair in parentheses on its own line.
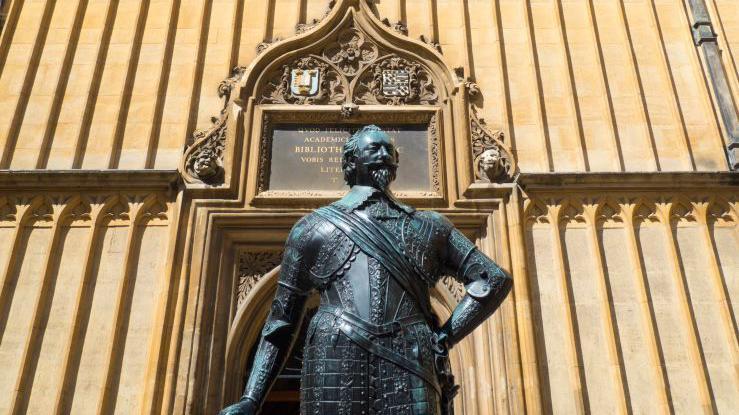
(358,283)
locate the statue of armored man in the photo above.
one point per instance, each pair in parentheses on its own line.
(374,346)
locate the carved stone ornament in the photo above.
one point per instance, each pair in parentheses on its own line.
(325,84)
(396,81)
(301,28)
(399,26)
(304,82)
(352,69)
(434,44)
(262,46)
(492,160)
(204,158)
(351,51)
(252,267)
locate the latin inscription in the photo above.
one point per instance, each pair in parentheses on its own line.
(309,157)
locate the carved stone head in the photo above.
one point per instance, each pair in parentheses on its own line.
(370,158)
(491,165)
(205,164)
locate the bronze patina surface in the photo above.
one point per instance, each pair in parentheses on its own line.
(373,346)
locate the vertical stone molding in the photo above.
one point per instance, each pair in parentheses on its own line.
(635,281)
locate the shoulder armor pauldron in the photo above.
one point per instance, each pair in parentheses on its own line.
(334,253)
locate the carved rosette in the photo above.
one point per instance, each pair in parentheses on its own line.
(252,267)
(351,51)
(492,160)
(204,158)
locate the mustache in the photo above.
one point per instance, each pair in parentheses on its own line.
(382,164)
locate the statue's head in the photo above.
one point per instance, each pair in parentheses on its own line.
(370,158)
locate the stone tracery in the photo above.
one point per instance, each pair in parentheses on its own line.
(351,72)
(351,67)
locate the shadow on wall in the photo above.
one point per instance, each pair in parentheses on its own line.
(3,13)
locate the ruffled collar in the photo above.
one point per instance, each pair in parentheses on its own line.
(359,194)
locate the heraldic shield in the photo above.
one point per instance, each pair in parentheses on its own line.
(304,82)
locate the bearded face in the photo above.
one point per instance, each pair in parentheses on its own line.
(376,160)
(382,176)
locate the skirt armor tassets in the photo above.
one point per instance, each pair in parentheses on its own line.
(340,377)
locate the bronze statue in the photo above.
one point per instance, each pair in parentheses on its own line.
(374,346)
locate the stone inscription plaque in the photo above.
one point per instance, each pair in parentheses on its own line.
(309,157)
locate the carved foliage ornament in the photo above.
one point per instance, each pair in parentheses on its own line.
(351,51)
(492,159)
(204,158)
(351,69)
(252,267)
(308,80)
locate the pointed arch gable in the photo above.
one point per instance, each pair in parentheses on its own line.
(327,36)
(358,69)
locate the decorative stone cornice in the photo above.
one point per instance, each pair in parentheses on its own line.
(48,208)
(619,209)
(632,181)
(38,180)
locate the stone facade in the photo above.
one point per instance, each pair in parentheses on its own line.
(140,239)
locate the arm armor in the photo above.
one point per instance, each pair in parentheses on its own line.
(283,322)
(486,283)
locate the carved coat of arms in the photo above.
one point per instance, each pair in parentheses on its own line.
(304,82)
(396,82)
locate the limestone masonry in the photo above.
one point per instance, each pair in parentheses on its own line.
(587,146)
